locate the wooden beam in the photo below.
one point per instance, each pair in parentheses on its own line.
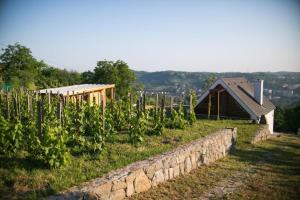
(218,105)
(216,90)
(209,105)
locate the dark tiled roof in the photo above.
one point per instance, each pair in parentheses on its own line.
(245,92)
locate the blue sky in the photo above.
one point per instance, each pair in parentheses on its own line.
(228,35)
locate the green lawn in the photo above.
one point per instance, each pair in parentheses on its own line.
(21,178)
(267,170)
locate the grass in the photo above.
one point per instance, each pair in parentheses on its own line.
(21,178)
(267,170)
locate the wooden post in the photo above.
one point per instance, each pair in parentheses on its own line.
(15,100)
(209,105)
(99,98)
(77,102)
(103,93)
(103,113)
(218,105)
(156,104)
(144,102)
(191,103)
(29,104)
(40,117)
(130,104)
(138,106)
(7,105)
(171,104)
(67,98)
(82,97)
(58,110)
(112,93)
(19,104)
(162,109)
(49,100)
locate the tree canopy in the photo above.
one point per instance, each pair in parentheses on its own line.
(110,72)
(18,68)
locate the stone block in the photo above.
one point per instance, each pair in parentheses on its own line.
(119,184)
(158,178)
(171,173)
(141,183)
(117,195)
(187,165)
(151,169)
(103,191)
(166,174)
(181,167)
(176,171)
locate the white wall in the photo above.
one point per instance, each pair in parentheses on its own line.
(270,120)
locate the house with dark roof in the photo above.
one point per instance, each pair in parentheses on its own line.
(236,98)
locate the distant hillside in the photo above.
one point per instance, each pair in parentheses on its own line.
(285,86)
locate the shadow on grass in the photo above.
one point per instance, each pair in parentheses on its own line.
(19,162)
(280,157)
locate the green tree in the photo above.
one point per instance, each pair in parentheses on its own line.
(118,73)
(19,67)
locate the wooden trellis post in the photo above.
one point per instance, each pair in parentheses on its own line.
(39,117)
(209,105)
(15,101)
(218,105)
(144,102)
(103,113)
(171,104)
(162,109)
(7,105)
(191,103)
(156,104)
(59,110)
(130,102)
(138,106)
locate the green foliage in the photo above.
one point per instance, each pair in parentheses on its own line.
(287,119)
(176,120)
(20,69)
(11,137)
(19,66)
(191,117)
(137,127)
(110,72)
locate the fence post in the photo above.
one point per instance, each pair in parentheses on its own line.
(191,103)
(171,106)
(40,117)
(156,104)
(49,100)
(7,105)
(162,109)
(58,110)
(15,101)
(144,102)
(103,114)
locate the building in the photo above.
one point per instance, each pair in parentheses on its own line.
(92,93)
(236,98)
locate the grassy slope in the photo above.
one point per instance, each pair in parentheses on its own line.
(23,178)
(267,170)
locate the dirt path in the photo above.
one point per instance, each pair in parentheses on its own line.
(268,170)
(224,187)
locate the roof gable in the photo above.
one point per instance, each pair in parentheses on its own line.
(242,91)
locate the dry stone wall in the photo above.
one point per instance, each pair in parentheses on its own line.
(141,176)
(263,133)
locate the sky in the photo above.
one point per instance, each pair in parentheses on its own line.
(211,36)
